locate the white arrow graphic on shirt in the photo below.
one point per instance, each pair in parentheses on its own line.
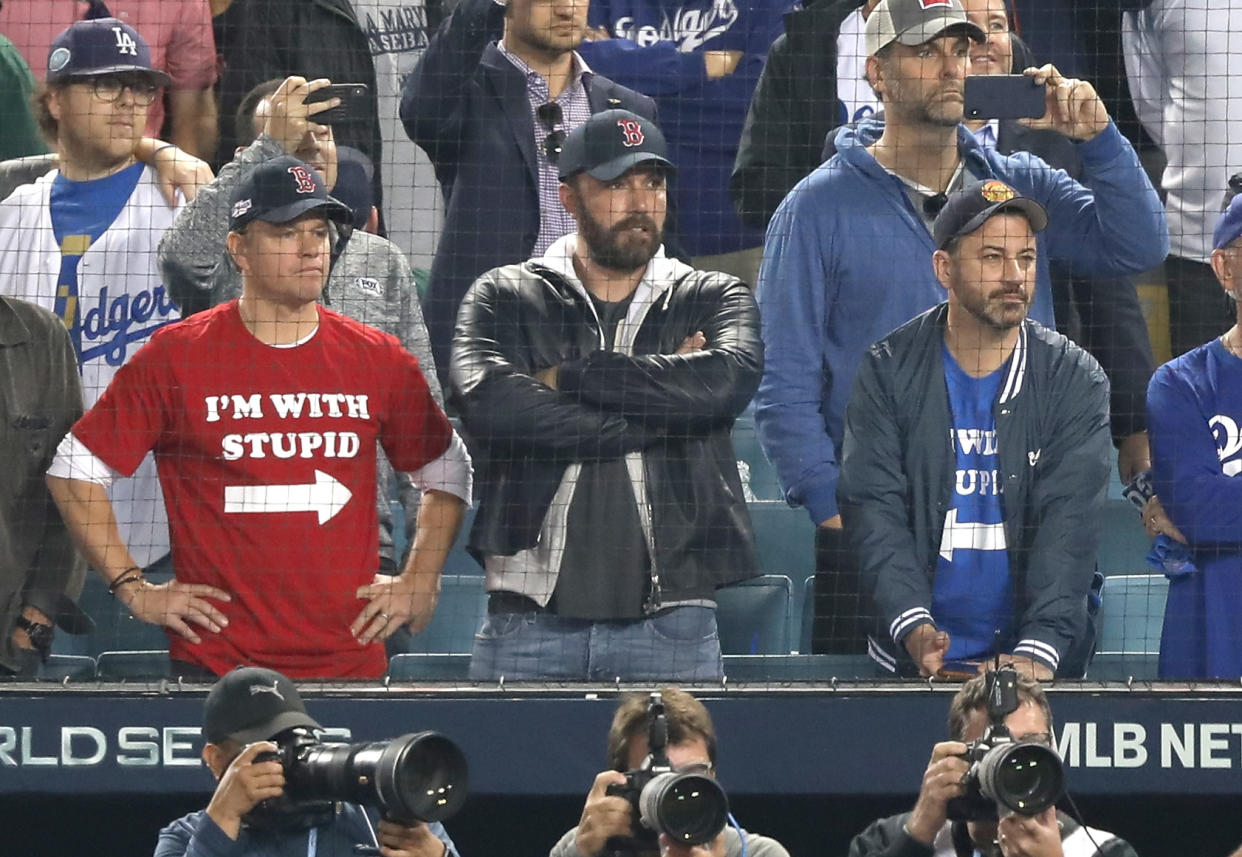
(966,536)
(325,497)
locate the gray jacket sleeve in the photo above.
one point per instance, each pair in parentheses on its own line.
(193,254)
(16,172)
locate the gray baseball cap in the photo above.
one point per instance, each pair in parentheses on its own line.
(913,22)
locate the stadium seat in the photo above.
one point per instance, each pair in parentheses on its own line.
(1123,544)
(1132,614)
(429,667)
(460,611)
(753,616)
(788,668)
(784,538)
(135,664)
(807,613)
(60,668)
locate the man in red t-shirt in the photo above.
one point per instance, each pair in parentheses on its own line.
(263,414)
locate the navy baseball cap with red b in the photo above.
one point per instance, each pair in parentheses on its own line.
(253,704)
(281,190)
(610,143)
(100,46)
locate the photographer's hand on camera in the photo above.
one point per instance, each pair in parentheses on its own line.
(408,840)
(927,647)
(1026,666)
(603,816)
(942,781)
(244,784)
(1030,836)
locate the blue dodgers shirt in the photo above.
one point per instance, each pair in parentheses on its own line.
(81,211)
(972,595)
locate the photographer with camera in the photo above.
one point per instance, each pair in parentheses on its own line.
(659,795)
(996,763)
(277,784)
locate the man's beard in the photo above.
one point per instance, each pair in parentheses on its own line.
(617,248)
(997,316)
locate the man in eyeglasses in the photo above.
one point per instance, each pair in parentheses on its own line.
(846,254)
(81,240)
(600,382)
(490,102)
(927,831)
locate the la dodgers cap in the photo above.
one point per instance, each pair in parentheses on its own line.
(253,704)
(281,190)
(1229,227)
(100,46)
(968,208)
(611,142)
(913,22)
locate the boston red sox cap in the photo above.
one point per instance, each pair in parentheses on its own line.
(969,207)
(609,143)
(913,22)
(281,190)
(100,46)
(253,704)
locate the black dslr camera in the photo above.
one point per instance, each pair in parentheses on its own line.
(416,777)
(1005,775)
(690,807)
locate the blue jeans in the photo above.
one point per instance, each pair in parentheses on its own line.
(678,644)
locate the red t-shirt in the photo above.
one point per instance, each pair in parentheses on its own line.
(266,458)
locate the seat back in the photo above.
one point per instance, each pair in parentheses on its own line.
(1132,614)
(753,616)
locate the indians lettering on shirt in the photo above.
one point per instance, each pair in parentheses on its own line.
(1228,443)
(288,406)
(690,26)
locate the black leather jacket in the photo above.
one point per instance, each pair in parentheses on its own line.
(674,411)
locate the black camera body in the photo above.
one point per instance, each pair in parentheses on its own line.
(1005,775)
(689,806)
(417,777)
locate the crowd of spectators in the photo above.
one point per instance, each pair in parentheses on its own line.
(629,224)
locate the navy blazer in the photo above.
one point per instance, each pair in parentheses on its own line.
(465,104)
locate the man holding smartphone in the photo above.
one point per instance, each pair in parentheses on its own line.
(846,254)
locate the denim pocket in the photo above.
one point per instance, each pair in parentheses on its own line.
(686,624)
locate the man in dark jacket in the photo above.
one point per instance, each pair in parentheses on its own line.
(926,831)
(987,543)
(599,384)
(490,102)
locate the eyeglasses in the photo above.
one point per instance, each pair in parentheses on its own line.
(550,116)
(108,87)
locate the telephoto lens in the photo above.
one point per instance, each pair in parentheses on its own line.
(1027,777)
(417,777)
(691,808)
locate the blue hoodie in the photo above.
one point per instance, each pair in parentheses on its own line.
(848,259)
(657,48)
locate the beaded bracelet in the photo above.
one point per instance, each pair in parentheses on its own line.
(124,578)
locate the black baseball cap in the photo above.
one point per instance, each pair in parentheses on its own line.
(281,190)
(914,22)
(100,46)
(968,208)
(253,704)
(610,143)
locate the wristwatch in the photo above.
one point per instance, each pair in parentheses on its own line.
(40,635)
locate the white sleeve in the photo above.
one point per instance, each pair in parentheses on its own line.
(74,461)
(452,472)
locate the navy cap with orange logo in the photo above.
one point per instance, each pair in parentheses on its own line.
(968,208)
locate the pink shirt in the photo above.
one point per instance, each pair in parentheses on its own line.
(177,31)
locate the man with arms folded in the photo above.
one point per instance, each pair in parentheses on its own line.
(264,414)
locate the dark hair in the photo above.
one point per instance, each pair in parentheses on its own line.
(49,126)
(974,697)
(243,120)
(687,719)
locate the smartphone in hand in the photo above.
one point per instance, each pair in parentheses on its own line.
(352,107)
(1004,96)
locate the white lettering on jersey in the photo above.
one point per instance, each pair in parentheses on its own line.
(1228,443)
